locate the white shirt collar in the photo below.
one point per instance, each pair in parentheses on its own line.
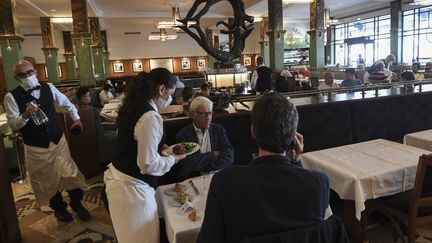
(198,129)
(152,104)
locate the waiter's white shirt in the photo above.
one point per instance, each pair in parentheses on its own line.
(203,139)
(14,116)
(254,77)
(148,133)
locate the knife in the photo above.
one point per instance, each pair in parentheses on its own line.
(194,187)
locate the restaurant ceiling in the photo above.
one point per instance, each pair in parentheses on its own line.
(133,14)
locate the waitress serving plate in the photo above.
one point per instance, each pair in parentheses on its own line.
(169,150)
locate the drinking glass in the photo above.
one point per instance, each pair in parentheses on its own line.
(38,116)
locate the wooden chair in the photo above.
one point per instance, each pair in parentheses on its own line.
(413,208)
(314,82)
(292,84)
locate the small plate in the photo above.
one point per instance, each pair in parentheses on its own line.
(171,191)
(175,203)
(169,150)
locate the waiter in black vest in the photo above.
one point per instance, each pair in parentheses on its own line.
(50,165)
(262,77)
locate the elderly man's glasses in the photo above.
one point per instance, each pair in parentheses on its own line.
(204,114)
(26,74)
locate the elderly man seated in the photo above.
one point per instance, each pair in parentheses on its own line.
(328,82)
(215,152)
(350,79)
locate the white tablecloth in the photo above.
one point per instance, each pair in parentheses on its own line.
(179,228)
(110,111)
(421,139)
(367,170)
(4,127)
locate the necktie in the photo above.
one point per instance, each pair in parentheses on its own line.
(33,89)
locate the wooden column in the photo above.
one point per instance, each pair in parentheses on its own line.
(97,49)
(264,40)
(276,34)
(329,53)
(106,66)
(316,33)
(9,228)
(69,55)
(210,38)
(10,41)
(81,39)
(396,29)
(49,50)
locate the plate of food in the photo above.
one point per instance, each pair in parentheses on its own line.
(185,148)
(176,189)
(178,201)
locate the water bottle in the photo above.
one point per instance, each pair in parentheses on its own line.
(39,117)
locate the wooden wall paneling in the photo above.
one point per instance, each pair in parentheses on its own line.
(9,227)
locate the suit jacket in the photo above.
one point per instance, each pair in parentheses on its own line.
(326,231)
(205,162)
(272,194)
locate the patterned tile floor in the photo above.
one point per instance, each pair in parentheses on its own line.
(38,224)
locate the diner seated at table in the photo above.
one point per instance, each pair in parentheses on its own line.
(328,82)
(306,73)
(377,73)
(205,90)
(350,79)
(84,101)
(215,151)
(428,67)
(415,69)
(105,95)
(271,194)
(285,72)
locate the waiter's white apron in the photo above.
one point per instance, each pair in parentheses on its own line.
(133,208)
(52,169)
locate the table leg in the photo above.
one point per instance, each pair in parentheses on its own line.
(352,225)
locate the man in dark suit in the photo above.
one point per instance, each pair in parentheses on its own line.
(215,152)
(262,77)
(272,194)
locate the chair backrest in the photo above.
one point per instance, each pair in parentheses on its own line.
(422,197)
(314,82)
(282,84)
(291,83)
(330,230)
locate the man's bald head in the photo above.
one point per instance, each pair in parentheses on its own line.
(22,67)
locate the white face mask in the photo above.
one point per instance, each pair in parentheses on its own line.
(162,103)
(29,82)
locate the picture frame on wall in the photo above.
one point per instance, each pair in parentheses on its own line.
(59,70)
(185,64)
(137,67)
(201,63)
(247,61)
(118,67)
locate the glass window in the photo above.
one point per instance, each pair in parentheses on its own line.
(408,49)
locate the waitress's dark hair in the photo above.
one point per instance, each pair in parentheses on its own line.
(140,91)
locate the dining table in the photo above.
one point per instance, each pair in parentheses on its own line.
(4,126)
(422,139)
(179,227)
(364,171)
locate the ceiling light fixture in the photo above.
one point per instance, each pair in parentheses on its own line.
(62,20)
(162,36)
(297,1)
(421,2)
(174,23)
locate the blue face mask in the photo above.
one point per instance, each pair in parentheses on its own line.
(162,103)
